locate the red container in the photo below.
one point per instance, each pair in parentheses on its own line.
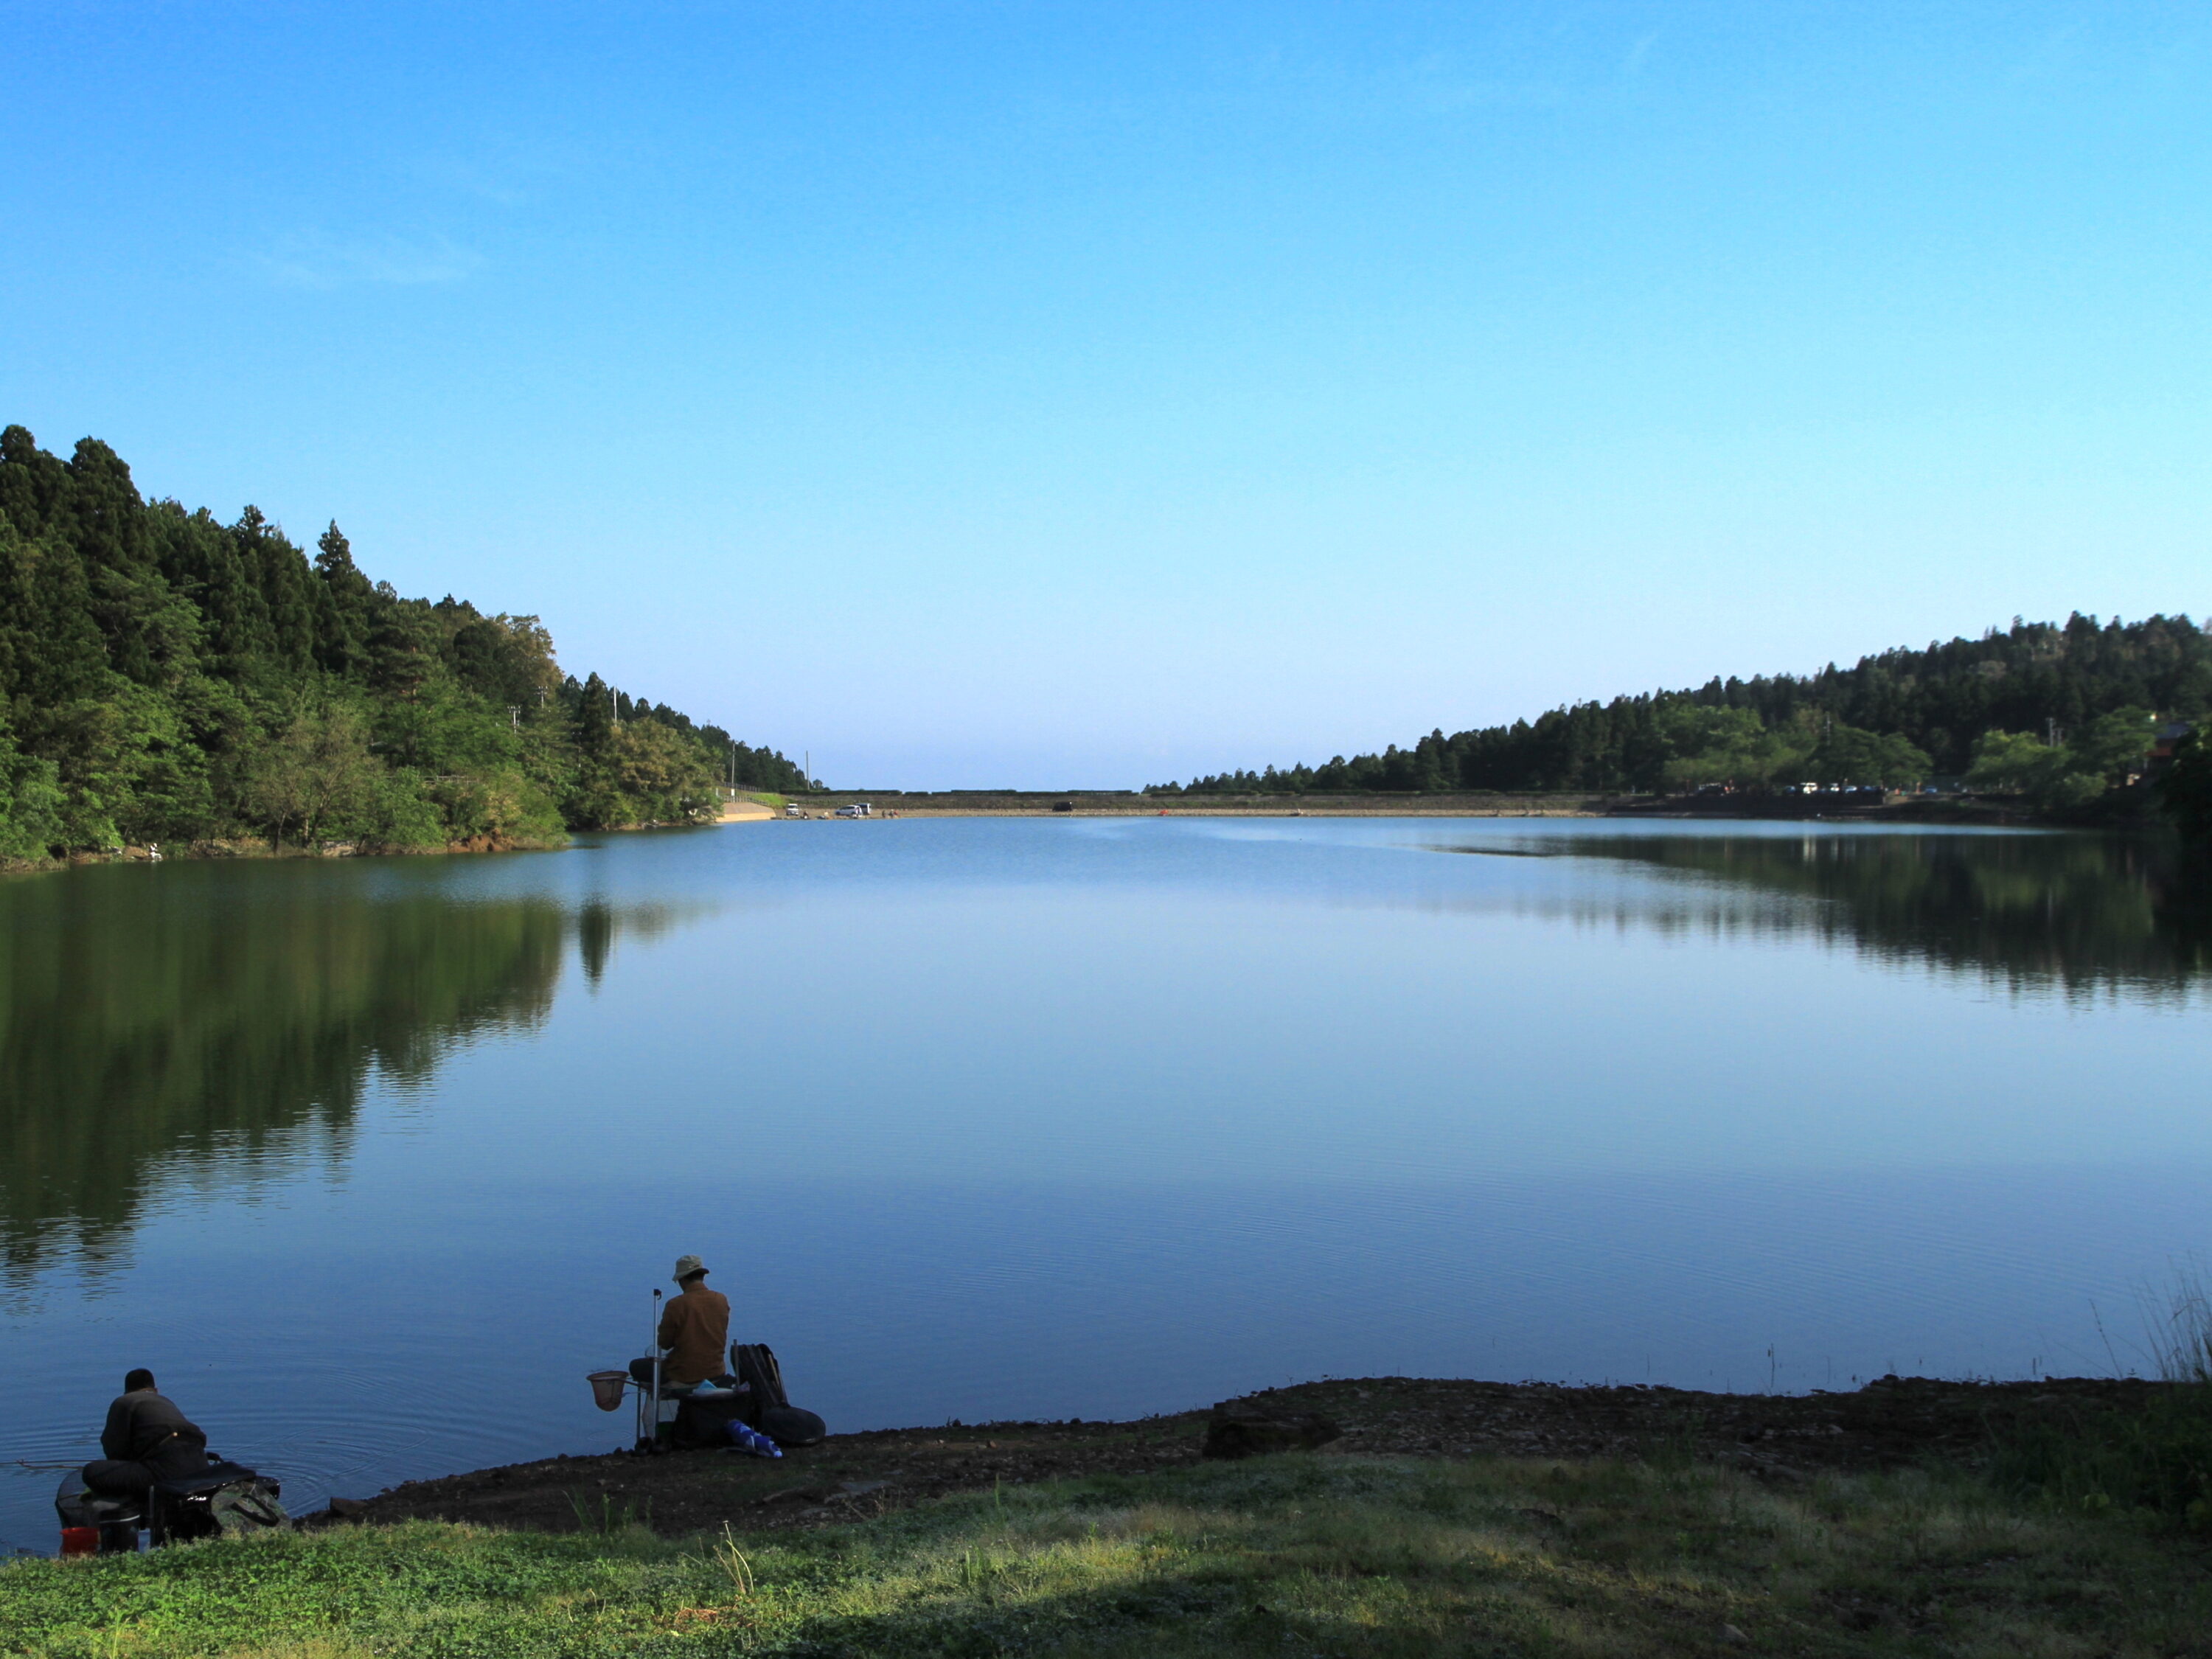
(80,1541)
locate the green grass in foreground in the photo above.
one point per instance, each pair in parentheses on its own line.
(1301,1555)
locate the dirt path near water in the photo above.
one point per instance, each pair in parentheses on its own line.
(1783,1438)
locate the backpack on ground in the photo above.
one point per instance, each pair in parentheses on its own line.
(754,1364)
(226,1500)
(770,1408)
(245,1507)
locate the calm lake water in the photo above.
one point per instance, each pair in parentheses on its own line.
(370,1161)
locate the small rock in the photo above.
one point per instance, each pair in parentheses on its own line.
(1730,1633)
(347,1508)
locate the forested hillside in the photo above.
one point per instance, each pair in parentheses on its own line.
(165,678)
(2056,712)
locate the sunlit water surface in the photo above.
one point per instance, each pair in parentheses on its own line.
(372,1160)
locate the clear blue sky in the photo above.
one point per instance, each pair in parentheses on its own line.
(1076,394)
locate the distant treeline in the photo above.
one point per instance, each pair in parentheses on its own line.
(2056,712)
(165,678)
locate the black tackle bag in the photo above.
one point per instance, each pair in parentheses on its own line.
(770,1410)
(700,1423)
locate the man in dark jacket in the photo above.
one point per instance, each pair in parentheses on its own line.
(147,1439)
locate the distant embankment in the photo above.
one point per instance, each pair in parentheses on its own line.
(1127,802)
(1456,804)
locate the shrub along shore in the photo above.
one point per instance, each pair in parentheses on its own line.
(1906,1517)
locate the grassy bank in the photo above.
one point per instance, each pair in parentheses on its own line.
(1305,1553)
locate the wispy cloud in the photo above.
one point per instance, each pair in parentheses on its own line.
(316,259)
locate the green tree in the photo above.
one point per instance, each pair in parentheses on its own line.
(2016,763)
(30,803)
(2186,792)
(314,773)
(346,614)
(128,768)
(402,650)
(2113,747)
(1850,756)
(669,780)
(279,573)
(1722,746)
(2009,762)
(594,717)
(399,815)
(507,661)
(505,804)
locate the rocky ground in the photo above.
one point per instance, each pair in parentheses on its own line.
(1783,1438)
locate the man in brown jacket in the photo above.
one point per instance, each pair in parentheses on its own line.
(694,1328)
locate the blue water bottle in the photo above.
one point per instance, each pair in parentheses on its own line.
(752,1440)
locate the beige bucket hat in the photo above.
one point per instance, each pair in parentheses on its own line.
(688,1264)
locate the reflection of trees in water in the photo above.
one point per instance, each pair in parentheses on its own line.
(203,1024)
(2074,912)
(595,939)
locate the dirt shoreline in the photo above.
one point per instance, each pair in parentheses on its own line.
(1784,1438)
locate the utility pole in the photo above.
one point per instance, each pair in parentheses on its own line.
(514,715)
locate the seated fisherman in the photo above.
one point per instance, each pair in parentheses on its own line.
(695,1329)
(147,1439)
